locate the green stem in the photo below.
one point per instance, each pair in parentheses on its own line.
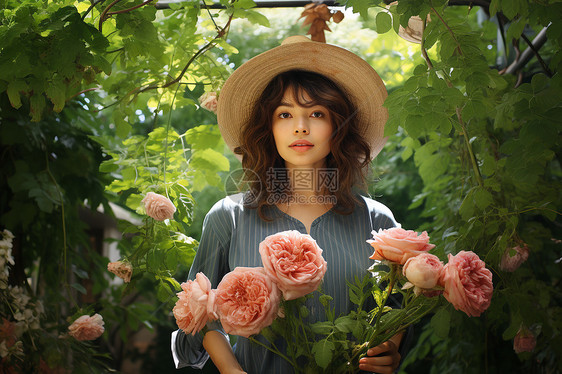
(470,152)
(393,276)
(166,138)
(422,46)
(63,222)
(365,346)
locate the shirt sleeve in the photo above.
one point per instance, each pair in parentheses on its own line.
(212,260)
(381,215)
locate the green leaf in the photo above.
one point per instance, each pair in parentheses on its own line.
(122,127)
(482,198)
(56,91)
(516,29)
(467,207)
(513,327)
(37,105)
(494,7)
(539,82)
(322,327)
(173,283)
(163,291)
(79,288)
(441,323)
(323,351)
(384,22)
(108,166)
(209,159)
(257,18)
(14,89)
(345,324)
(359,6)
(244,4)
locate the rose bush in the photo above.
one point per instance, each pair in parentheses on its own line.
(247,301)
(398,245)
(467,282)
(196,305)
(423,271)
(158,207)
(294,262)
(86,327)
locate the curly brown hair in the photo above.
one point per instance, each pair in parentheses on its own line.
(350,153)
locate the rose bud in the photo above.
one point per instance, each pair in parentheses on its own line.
(423,271)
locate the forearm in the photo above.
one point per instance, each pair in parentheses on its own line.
(220,351)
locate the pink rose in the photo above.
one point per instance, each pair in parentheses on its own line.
(294,262)
(468,284)
(86,327)
(123,270)
(158,207)
(209,101)
(196,305)
(524,341)
(423,271)
(398,245)
(511,262)
(247,301)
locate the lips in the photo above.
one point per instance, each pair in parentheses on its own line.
(301,143)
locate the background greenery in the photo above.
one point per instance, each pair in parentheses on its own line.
(98,104)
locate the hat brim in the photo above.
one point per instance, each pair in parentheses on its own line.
(351,73)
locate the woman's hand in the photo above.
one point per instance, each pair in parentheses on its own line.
(382,359)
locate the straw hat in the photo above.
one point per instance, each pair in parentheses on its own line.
(351,73)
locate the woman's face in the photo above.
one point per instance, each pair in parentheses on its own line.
(302,134)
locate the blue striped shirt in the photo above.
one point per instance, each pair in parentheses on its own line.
(231,237)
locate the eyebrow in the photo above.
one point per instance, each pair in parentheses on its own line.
(286,104)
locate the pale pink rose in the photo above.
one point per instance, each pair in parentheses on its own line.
(467,282)
(158,207)
(196,305)
(209,101)
(247,301)
(122,269)
(86,327)
(294,261)
(398,245)
(511,262)
(524,341)
(423,271)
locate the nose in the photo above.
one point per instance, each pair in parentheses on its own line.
(301,126)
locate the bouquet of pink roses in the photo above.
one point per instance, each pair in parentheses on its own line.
(249,301)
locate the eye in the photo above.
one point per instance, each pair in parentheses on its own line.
(283,115)
(317,114)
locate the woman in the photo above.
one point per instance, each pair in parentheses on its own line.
(306,119)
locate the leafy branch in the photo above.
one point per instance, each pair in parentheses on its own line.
(448,28)
(105,14)
(458,110)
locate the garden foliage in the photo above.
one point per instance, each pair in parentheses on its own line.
(98,104)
